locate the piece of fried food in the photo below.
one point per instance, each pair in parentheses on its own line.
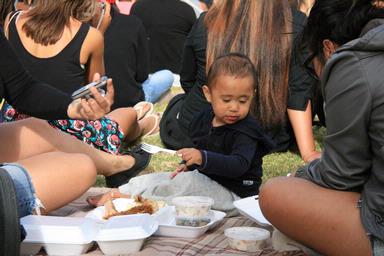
(142,206)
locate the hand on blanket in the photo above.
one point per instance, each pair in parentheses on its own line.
(182,168)
(100,200)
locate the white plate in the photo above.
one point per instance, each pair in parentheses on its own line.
(168,227)
(120,205)
(249,207)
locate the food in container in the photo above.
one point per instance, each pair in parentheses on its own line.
(248,239)
(127,206)
(192,210)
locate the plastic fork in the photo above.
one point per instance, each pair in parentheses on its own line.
(152,149)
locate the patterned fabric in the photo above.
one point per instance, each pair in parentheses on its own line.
(103,134)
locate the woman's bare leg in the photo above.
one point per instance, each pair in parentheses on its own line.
(30,137)
(323,219)
(59,178)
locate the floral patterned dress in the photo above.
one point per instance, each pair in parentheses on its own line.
(104,134)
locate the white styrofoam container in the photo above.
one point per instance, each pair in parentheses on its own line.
(121,204)
(168,227)
(125,234)
(74,236)
(250,208)
(59,235)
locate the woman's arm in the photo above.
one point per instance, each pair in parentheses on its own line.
(92,53)
(301,122)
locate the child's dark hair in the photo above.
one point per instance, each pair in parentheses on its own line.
(337,20)
(232,64)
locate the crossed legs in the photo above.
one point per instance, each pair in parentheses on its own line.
(323,219)
(31,137)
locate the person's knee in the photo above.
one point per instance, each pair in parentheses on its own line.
(269,194)
(89,171)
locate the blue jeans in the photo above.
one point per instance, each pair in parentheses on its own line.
(25,192)
(377,246)
(157,84)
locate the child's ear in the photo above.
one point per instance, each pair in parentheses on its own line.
(207,93)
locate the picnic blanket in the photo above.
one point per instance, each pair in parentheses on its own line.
(213,242)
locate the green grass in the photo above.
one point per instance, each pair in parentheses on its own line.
(278,164)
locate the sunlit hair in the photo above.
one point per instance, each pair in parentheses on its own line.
(5,8)
(261,30)
(47,19)
(235,65)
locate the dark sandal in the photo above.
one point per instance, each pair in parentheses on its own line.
(142,160)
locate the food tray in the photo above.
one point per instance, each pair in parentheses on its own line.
(250,208)
(168,227)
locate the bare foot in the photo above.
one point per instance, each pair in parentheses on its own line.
(100,200)
(143,109)
(150,124)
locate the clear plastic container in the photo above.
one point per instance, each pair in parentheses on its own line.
(248,239)
(192,206)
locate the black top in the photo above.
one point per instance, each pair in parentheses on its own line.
(192,78)
(126,57)
(24,93)
(63,70)
(301,85)
(232,154)
(167,23)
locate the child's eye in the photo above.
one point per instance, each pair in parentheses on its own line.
(226,100)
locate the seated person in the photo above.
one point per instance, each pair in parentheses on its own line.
(229,144)
(66,61)
(126,57)
(27,173)
(166,31)
(335,204)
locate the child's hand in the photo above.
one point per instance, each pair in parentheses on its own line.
(190,156)
(181,168)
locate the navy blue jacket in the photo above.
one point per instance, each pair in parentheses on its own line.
(232,154)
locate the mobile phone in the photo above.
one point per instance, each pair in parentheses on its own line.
(84,91)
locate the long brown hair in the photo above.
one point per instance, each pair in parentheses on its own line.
(261,30)
(47,19)
(5,8)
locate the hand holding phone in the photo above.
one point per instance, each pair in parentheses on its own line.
(84,92)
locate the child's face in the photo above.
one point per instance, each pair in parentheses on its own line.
(230,98)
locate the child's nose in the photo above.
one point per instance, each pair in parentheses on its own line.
(234,106)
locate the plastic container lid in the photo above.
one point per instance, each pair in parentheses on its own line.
(247,233)
(193,201)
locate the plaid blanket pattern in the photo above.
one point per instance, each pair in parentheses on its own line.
(213,242)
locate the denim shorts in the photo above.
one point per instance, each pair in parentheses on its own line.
(25,192)
(377,246)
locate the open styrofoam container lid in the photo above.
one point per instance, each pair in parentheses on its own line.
(63,230)
(129,227)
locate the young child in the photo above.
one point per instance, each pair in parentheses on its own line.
(229,142)
(227,161)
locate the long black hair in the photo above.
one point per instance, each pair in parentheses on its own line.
(337,20)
